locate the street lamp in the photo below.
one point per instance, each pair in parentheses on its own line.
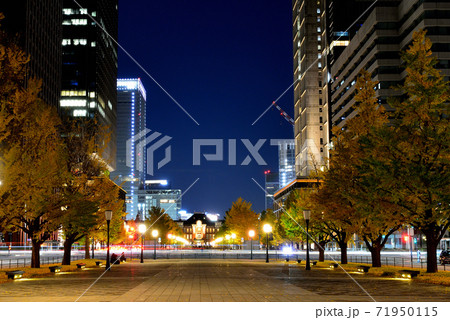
(267,228)
(154,234)
(233,237)
(142,229)
(227,237)
(251,234)
(108,217)
(306,216)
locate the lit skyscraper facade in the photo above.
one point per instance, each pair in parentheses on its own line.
(385,32)
(89,65)
(131,120)
(271,186)
(158,193)
(321,30)
(310,91)
(286,161)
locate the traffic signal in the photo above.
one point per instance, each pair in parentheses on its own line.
(406,238)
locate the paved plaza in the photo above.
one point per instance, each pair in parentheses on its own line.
(216,281)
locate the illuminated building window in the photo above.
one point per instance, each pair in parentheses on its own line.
(83,11)
(94,13)
(318,29)
(66,42)
(319,47)
(68,11)
(79,22)
(73,93)
(93,44)
(79,113)
(318,11)
(73,103)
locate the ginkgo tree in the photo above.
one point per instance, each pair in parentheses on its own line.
(241,218)
(32,154)
(414,173)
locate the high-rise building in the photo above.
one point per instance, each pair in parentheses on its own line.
(310,98)
(37,27)
(89,68)
(271,186)
(286,161)
(386,31)
(321,29)
(158,193)
(131,118)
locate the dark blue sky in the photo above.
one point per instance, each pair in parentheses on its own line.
(224,62)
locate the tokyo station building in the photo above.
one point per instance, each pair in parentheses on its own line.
(200,229)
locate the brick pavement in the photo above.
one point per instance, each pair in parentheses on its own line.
(216,281)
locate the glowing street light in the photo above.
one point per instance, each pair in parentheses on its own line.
(251,234)
(108,217)
(267,228)
(155,235)
(142,229)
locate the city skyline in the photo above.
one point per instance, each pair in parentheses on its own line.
(219,68)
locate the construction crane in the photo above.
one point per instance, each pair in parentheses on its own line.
(284,114)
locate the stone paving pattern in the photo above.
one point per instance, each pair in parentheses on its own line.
(216,281)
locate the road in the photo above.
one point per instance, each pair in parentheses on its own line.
(218,280)
(18,258)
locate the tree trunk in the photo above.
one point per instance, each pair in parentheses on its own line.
(375,252)
(432,243)
(35,253)
(67,251)
(87,247)
(343,246)
(321,248)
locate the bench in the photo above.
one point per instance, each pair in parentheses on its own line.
(55,269)
(14,274)
(81,265)
(409,273)
(364,269)
(333,265)
(98,263)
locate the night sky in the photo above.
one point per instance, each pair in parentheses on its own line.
(224,62)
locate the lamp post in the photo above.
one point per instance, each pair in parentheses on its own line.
(108,217)
(155,235)
(169,236)
(267,229)
(233,237)
(142,229)
(306,216)
(251,234)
